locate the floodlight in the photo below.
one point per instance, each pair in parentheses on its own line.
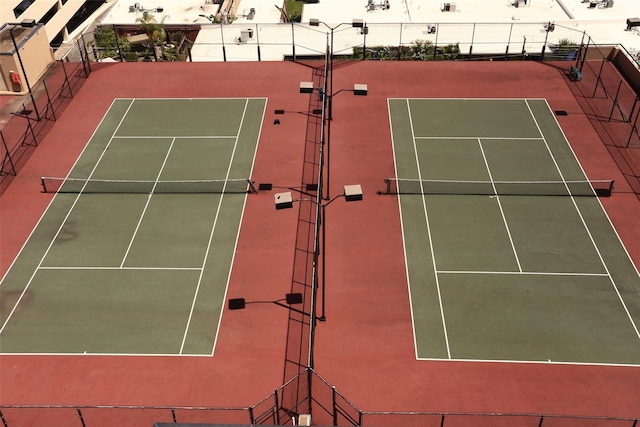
(306,87)
(352,193)
(236,304)
(357,23)
(314,22)
(360,89)
(294,298)
(283,200)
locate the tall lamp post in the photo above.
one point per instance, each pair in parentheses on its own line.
(285,200)
(356,23)
(12,27)
(359,89)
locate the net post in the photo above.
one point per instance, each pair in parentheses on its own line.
(388,182)
(44,186)
(611,187)
(252,188)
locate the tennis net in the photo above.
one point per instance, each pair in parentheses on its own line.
(75,185)
(594,188)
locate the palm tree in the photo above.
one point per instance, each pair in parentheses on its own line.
(152,27)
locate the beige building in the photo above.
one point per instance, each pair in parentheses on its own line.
(60,18)
(25,55)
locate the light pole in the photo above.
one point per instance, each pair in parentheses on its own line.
(359,89)
(356,23)
(285,200)
(289,299)
(24,72)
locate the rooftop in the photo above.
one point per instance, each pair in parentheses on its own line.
(466,22)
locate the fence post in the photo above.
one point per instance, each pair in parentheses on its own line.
(277,405)
(293,42)
(80,416)
(506,52)
(399,43)
(334,405)
(544,46)
(258,42)
(115,33)
(7,156)
(473,37)
(309,379)
(634,128)
(598,79)
(615,103)
(84,55)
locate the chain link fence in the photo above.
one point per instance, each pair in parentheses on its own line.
(608,82)
(324,405)
(34,114)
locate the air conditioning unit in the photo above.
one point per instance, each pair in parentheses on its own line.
(448,7)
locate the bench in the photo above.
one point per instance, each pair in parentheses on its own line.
(575,74)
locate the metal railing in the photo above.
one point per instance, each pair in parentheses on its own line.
(325,405)
(33,117)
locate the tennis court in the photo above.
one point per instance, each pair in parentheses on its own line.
(134,253)
(510,255)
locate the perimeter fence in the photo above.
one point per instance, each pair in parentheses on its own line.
(388,41)
(34,114)
(324,406)
(611,81)
(606,82)
(607,87)
(302,323)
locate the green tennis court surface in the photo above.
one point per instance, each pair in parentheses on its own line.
(524,272)
(134,253)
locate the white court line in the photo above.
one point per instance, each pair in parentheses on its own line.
(404,243)
(497,198)
(527,362)
(121,268)
(64,220)
(213,228)
(146,205)
(523,273)
(233,255)
(108,354)
(624,305)
(174,137)
(468,99)
(473,138)
(433,255)
(54,198)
